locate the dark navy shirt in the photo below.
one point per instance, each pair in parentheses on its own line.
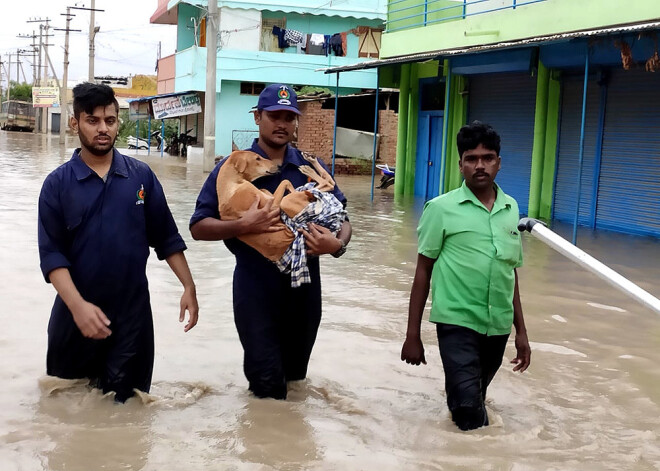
(102,231)
(207,202)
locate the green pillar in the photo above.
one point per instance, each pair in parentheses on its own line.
(457,115)
(402,132)
(411,141)
(538,150)
(552,132)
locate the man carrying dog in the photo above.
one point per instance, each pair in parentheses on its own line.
(469,249)
(98,215)
(277,324)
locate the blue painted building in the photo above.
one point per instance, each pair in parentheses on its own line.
(249,55)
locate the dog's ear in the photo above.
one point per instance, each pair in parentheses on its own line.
(241,163)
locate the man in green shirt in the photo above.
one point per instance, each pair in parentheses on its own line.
(469,249)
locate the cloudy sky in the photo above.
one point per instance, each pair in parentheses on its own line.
(126,43)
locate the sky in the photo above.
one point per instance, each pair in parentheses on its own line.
(126,44)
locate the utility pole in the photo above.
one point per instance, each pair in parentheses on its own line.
(65,76)
(210,96)
(42,69)
(92,34)
(8,75)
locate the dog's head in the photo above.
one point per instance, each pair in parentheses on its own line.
(250,165)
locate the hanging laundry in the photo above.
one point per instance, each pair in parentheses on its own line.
(317,39)
(302,45)
(292,37)
(344,42)
(335,44)
(315,48)
(279,32)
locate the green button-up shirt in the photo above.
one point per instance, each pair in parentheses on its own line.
(476,251)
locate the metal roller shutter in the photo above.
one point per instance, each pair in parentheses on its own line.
(629,190)
(565,197)
(507,102)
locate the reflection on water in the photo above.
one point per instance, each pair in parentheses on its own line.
(589,401)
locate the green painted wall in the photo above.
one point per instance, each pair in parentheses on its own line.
(412,12)
(185,31)
(537,19)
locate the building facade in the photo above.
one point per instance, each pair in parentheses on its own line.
(572,87)
(261,43)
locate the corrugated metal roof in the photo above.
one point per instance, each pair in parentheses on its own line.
(439,54)
(147,98)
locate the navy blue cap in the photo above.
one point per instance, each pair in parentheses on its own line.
(278,97)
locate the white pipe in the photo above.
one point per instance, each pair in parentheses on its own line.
(564,247)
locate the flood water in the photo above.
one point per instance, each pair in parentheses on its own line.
(590,400)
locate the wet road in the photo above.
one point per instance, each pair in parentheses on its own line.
(590,401)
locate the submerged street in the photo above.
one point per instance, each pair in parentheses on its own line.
(589,401)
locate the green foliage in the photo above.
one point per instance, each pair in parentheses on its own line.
(20,91)
(127,127)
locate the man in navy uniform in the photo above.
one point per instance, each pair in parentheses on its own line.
(277,324)
(98,215)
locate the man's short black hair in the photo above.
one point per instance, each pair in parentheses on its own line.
(87,96)
(471,135)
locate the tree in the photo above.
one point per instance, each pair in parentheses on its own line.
(20,91)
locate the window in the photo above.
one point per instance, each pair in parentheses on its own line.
(369,41)
(268,39)
(252,88)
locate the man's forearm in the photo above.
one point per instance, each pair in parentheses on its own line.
(63,284)
(419,294)
(217,229)
(179,265)
(518,319)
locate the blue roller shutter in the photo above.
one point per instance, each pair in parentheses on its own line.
(507,102)
(629,189)
(566,174)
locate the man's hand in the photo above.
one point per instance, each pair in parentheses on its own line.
(91,321)
(412,351)
(319,240)
(259,220)
(189,303)
(523,352)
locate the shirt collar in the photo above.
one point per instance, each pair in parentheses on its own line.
(290,155)
(82,171)
(500,198)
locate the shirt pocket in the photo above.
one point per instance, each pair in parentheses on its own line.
(72,222)
(508,245)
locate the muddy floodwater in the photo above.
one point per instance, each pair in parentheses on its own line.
(590,400)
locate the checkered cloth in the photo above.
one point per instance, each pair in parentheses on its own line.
(326,211)
(292,37)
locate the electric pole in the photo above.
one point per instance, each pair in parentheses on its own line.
(42,70)
(210,96)
(64,107)
(92,34)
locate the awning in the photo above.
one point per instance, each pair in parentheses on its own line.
(164,15)
(441,54)
(367,9)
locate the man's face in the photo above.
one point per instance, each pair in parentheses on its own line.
(276,128)
(97,131)
(479,167)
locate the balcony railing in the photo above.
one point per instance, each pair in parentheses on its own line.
(406,14)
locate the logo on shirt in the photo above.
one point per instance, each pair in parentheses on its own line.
(140,195)
(283,96)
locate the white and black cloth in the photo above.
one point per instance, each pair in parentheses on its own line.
(326,211)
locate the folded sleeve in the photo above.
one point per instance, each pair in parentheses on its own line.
(162,232)
(431,231)
(207,201)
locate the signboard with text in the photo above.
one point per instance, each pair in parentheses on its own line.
(45,97)
(138,110)
(179,105)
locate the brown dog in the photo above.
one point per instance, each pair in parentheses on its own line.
(236,194)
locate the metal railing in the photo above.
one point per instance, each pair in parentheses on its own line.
(426,12)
